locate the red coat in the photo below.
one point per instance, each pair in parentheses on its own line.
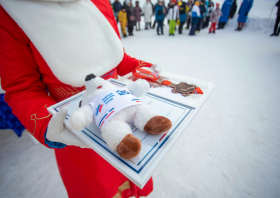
(27,79)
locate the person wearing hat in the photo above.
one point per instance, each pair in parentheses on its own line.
(47,48)
(159,14)
(214,18)
(195,18)
(147,10)
(122,17)
(172,16)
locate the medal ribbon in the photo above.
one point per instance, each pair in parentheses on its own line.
(138,72)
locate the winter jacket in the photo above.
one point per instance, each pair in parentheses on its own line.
(210,10)
(137,13)
(225,10)
(117,6)
(202,10)
(215,15)
(233,9)
(206,7)
(278,5)
(183,9)
(122,16)
(130,15)
(159,13)
(244,10)
(173,12)
(195,14)
(147,9)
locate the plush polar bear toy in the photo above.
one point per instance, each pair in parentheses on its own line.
(112,108)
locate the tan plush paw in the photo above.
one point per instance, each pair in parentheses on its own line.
(129,147)
(157,125)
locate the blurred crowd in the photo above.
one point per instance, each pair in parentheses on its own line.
(195,15)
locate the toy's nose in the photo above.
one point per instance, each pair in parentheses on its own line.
(90,76)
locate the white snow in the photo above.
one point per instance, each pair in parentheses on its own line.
(231,149)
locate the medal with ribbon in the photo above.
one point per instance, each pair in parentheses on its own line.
(183,87)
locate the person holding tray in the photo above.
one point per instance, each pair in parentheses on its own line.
(47,48)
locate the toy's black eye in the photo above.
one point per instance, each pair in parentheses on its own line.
(80,104)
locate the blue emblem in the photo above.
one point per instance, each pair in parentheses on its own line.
(122,92)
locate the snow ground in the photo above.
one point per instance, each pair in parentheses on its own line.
(231,149)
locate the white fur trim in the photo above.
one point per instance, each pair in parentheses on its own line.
(138,88)
(114,132)
(74,38)
(81,118)
(143,115)
(156,68)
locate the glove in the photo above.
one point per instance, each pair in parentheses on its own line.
(57,132)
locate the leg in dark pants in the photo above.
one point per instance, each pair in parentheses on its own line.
(275,32)
(160,26)
(193,28)
(206,23)
(181,27)
(188,22)
(154,25)
(198,27)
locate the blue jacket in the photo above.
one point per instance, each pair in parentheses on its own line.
(195,18)
(159,13)
(244,10)
(225,10)
(117,6)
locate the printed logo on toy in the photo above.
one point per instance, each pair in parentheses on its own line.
(98,109)
(123,92)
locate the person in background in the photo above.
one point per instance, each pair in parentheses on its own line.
(117,7)
(201,18)
(137,12)
(208,13)
(147,10)
(189,13)
(173,15)
(152,13)
(275,32)
(195,17)
(233,9)
(225,10)
(214,18)
(122,17)
(206,3)
(154,10)
(159,15)
(243,13)
(130,17)
(183,9)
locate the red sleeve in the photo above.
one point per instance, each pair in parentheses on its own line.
(128,64)
(21,79)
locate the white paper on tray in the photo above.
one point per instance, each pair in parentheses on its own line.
(154,147)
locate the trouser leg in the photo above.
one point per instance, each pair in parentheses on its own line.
(181,26)
(276,24)
(123,27)
(172,24)
(193,28)
(160,26)
(154,25)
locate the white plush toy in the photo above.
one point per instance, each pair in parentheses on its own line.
(112,108)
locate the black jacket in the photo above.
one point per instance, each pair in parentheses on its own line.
(233,9)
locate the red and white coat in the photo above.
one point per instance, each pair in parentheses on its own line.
(46,50)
